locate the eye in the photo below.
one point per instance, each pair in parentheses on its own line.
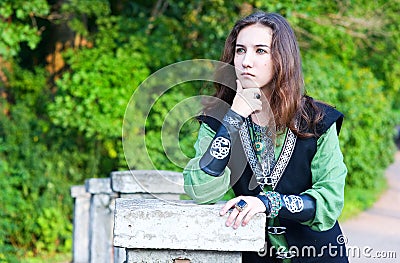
(240,50)
(261,51)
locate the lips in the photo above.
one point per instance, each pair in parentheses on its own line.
(247,74)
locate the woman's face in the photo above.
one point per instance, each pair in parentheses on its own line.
(253,62)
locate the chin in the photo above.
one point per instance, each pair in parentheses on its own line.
(248,83)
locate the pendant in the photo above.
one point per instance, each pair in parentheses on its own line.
(259,147)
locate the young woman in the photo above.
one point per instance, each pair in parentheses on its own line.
(277,148)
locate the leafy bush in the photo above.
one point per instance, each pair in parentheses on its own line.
(12,34)
(367,132)
(32,190)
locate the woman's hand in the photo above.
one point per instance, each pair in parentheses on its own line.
(246,100)
(254,206)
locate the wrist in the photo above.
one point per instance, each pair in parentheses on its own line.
(233,118)
(239,112)
(216,158)
(265,201)
(272,201)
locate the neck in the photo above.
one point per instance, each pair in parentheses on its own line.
(261,118)
(265,116)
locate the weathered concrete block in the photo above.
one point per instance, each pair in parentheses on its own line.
(80,246)
(100,231)
(147,181)
(119,255)
(98,186)
(156,224)
(102,204)
(79,191)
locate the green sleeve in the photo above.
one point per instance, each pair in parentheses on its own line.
(328,180)
(200,186)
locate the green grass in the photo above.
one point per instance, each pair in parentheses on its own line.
(50,258)
(358,200)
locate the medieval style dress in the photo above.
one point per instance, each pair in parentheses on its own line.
(312,166)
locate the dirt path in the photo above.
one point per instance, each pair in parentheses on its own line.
(374,235)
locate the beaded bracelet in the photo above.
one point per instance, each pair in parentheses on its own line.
(276,203)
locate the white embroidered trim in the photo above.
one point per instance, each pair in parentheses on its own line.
(284,158)
(293,203)
(280,166)
(232,121)
(249,151)
(220,147)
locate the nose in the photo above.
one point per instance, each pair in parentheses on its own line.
(247,61)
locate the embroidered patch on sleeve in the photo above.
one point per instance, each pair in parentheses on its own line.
(220,148)
(293,203)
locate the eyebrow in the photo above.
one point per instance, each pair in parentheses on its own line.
(259,45)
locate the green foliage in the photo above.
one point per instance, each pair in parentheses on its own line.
(35,178)
(49,232)
(31,189)
(206,27)
(18,24)
(168,140)
(92,96)
(368,127)
(84,9)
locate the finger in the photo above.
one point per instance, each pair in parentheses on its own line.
(232,217)
(240,217)
(252,94)
(229,205)
(251,90)
(257,102)
(257,106)
(239,87)
(249,215)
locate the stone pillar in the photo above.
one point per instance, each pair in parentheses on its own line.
(80,245)
(145,184)
(153,230)
(148,184)
(102,204)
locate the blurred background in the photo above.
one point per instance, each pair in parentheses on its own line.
(69,68)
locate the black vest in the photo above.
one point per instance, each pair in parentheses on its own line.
(295,180)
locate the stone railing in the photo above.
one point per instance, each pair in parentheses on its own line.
(127,218)
(94,206)
(180,231)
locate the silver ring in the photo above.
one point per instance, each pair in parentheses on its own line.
(257,96)
(241,205)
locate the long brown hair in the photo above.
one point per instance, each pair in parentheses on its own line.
(288,101)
